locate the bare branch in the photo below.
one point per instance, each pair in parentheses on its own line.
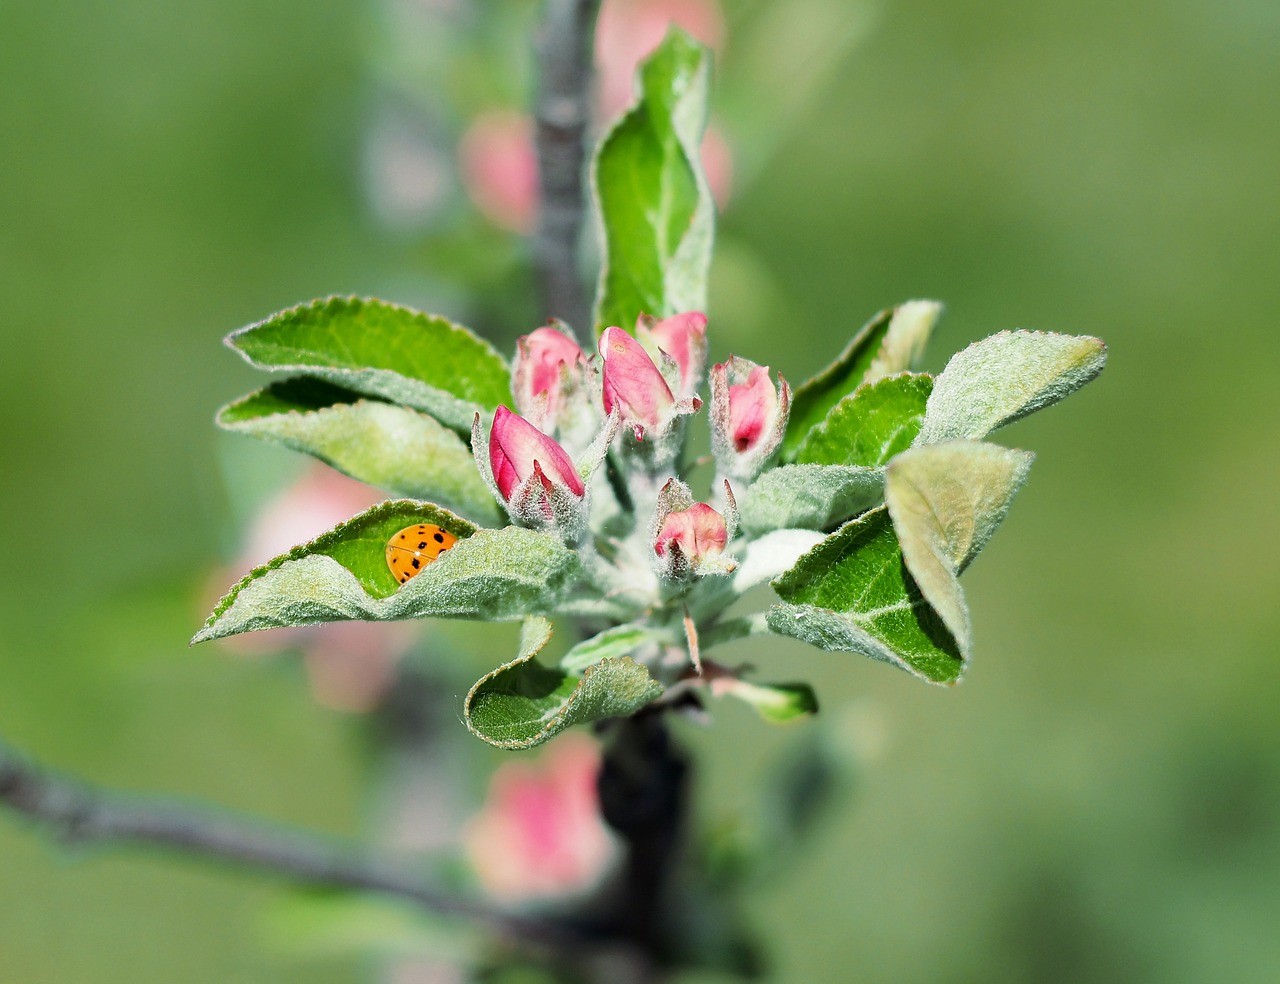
(83,814)
(563,115)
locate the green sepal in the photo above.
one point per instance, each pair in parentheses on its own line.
(868,427)
(523,703)
(404,451)
(889,343)
(1005,377)
(343,574)
(380,349)
(656,212)
(853,593)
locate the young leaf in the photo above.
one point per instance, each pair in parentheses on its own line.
(343,574)
(871,425)
(945,501)
(656,213)
(523,703)
(385,350)
(810,497)
(852,593)
(1004,377)
(392,447)
(618,640)
(776,702)
(889,343)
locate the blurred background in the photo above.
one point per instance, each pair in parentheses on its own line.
(1099,801)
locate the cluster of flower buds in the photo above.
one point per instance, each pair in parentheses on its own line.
(574,405)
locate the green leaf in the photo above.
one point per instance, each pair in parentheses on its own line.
(1004,377)
(852,593)
(812,497)
(945,501)
(523,703)
(889,343)
(385,350)
(656,212)
(618,640)
(871,425)
(343,574)
(392,447)
(776,702)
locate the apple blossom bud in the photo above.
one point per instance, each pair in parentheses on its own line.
(633,383)
(697,532)
(688,537)
(549,374)
(518,452)
(748,416)
(683,337)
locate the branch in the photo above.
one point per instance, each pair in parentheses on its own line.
(81,813)
(563,115)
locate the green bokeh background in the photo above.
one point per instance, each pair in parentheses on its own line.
(1099,801)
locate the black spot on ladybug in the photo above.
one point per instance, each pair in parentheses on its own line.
(416,563)
(422,544)
(439,538)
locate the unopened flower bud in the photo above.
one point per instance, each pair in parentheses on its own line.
(634,384)
(748,416)
(682,337)
(549,383)
(689,537)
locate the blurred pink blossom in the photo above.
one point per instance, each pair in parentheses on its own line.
(500,169)
(539,834)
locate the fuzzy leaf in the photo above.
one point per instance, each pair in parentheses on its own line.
(852,593)
(523,703)
(811,497)
(889,343)
(392,447)
(655,209)
(871,425)
(1004,377)
(618,640)
(945,501)
(772,554)
(343,574)
(384,350)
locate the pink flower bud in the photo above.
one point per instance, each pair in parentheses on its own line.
(519,451)
(500,169)
(548,365)
(698,533)
(748,414)
(684,338)
(633,383)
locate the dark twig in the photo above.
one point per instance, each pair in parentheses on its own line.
(563,115)
(80,813)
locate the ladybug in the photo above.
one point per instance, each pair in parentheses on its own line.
(414,547)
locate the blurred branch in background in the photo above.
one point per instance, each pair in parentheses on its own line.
(563,114)
(81,813)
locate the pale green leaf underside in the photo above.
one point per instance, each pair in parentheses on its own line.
(618,640)
(655,209)
(406,452)
(1006,376)
(852,593)
(775,702)
(889,343)
(489,574)
(868,427)
(812,497)
(384,350)
(946,500)
(523,703)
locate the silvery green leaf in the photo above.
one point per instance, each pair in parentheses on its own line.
(853,593)
(523,703)
(814,497)
(656,213)
(618,640)
(776,702)
(343,574)
(888,343)
(1005,377)
(945,501)
(772,554)
(392,447)
(868,427)
(385,350)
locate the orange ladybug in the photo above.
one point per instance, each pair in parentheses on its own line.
(414,547)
